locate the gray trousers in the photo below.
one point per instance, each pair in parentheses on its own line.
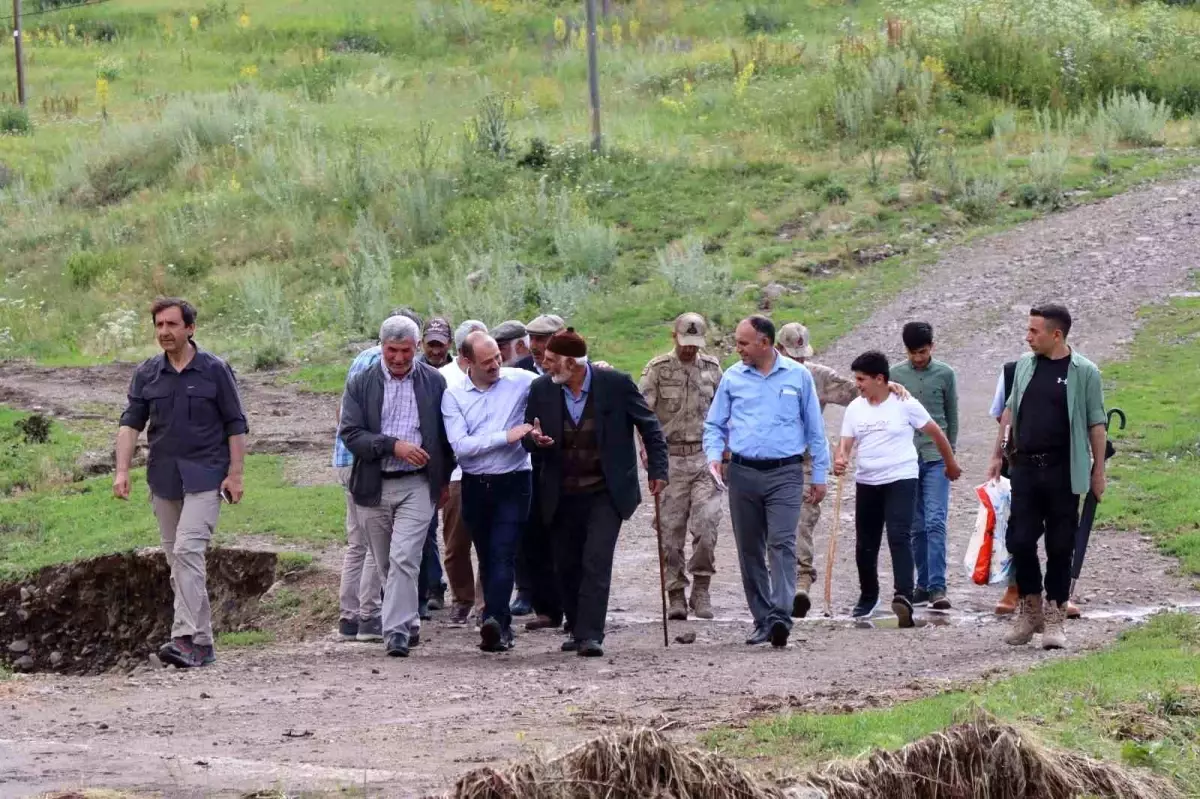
(765,508)
(396,530)
(361,582)
(185,527)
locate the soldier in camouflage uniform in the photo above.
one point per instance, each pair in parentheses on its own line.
(679,387)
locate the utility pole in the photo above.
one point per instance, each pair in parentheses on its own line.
(17,50)
(593,73)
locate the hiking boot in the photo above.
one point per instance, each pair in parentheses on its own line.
(938,600)
(1008,603)
(207,654)
(903,609)
(180,652)
(1072,611)
(700,601)
(490,636)
(676,606)
(370,630)
(437,598)
(1053,634)
(522,605)
(801,604)
(590,649)
(397,645)
(348,629)
(779,635)
(1029,621)
(865,607)
(920,597)
(459,614)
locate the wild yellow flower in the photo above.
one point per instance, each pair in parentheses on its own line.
(102,91)
(935,67)
(616,34)
(71,31)
(234,185)
(688,88)
(581,39)
(673,104)
(243,20)
(250,71)
(635,28)
(743,80)
(560,29)
(320,55)
(194,22)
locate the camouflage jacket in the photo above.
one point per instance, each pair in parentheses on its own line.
(831,387)
(680,393)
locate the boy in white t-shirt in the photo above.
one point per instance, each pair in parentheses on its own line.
(886,479)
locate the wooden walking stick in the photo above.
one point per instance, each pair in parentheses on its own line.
(662,567)
(832,552)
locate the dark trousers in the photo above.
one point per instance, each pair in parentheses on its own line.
(1042,504)
(765,508)
(875,507)
(429,579)
(495,508)
(585,530)
(535,569)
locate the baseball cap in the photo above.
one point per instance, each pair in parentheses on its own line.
(437,329)
(508,331)
(545,325)
(793,337)
(690,330)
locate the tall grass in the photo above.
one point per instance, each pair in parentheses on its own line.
(368,280)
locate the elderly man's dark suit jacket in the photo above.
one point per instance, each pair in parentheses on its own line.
(619,408)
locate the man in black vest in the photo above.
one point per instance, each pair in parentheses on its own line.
(586,466)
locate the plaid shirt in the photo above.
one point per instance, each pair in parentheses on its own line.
(399,418)
(363,361)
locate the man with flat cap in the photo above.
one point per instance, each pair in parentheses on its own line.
(582,440)
(539,331)
(507,334)
(679,388)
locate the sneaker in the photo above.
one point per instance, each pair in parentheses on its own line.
(779,635)
(370,630)
(437,598)
(938,600)
(207,653)
(903,610)
(348,629)
(865,607)
(522,605)
(590,649)
(397,645)
(490,636)
(459,614)
(180,652)
(921,597)
(423,612)
(759,636)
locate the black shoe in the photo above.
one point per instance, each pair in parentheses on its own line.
(938,600)
(759,636)
(397,645)
(801,604)
(348,629)
(437,598)
(903,610)
(414,639)
(491,636)
(423,612)
(779,635)
(459,615)
(589,649)
(570,645)
(865,607)
(522,605)
(370,630)
(921,597)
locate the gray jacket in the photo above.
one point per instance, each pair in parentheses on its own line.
(362,405)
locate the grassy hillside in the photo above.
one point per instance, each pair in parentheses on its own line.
(297,167)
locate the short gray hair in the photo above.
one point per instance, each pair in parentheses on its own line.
(465,329)
(398,328)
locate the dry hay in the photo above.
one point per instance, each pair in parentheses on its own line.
(980,760)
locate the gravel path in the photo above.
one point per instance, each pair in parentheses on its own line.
(411,725)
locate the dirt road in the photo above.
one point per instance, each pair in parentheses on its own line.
(323,714)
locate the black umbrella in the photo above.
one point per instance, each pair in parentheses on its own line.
(1088,516)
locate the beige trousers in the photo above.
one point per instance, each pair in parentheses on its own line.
(361,582)
(186,526)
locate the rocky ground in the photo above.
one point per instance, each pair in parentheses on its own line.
(326,714)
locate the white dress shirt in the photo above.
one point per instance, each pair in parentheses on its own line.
(454,375)
(478,421)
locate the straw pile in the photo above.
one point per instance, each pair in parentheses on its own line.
(981,760)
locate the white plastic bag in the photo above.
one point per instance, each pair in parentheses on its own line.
(987,559)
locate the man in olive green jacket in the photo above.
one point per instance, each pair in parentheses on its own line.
(1054,425)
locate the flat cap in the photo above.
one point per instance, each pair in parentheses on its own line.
(545,325)
(507,331)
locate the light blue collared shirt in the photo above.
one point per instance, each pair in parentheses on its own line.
(766,417)
(477,422)
(363,361)
(575,406)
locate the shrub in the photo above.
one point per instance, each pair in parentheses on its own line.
(1136,120)
(918,150)
(538,156)
(763,19)
(368,278)
(1047,165)
(109,68)
(836,194)
(563,296)
(485,283)
(490,126)
(267,317)
(979,199)
(84,267)
(15,120)
(690,272)
(584,246)
(421,208)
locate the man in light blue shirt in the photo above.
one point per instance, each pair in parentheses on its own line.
(767,414)
(485,422)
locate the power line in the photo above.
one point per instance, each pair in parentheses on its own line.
(85,4)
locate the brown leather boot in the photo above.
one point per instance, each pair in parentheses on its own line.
(700,601)
(1053,634)
(1028,622)
(676,606)
(1008,602)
